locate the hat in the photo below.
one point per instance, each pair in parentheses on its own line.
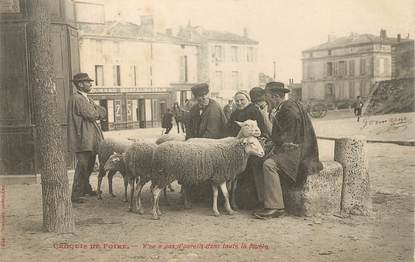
(276,86)
(257,94)
(243,93)
(81,77)
(200,89)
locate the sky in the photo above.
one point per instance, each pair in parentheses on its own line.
(283,28)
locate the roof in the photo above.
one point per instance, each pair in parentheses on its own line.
(130,30)
(356,39)
(198,34)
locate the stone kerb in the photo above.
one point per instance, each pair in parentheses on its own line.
(351,153)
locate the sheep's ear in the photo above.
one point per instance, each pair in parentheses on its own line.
(239,123)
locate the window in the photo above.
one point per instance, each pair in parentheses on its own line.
(329,91)
(351,89)
(381,66)
(218,80)
(386,65)
(116,49)
(135,107)
(362,66)
(234,53)
(110,111)
(99,75)
(155,109)
(218,53)
(116,75)
(99,47)
(342,70)
(351,67)
(129,110)
(250,54)
(310,71)
(329,52)
(117,110)
(329,69)
(185,69)
(363,89)
(133,75)
(235,80)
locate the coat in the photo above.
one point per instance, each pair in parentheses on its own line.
(291,124)
(210,123)
(84,134)
(167,120)
(250,112)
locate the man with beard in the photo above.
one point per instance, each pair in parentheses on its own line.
(295,152)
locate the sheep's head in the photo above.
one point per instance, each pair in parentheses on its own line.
(253,147)
(248,128)
(114,162)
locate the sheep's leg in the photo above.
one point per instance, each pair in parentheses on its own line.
(101,175)
(156,194)
(124,177)
(158,206)
(165,196)
(138,198)
(226,196)
(215,200)
(110,175)
(131,182)
(234,184)
(186,198)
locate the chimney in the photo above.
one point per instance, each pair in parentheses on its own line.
(399,38)
(147,23)
(169,32)
(245,32)
(382,33)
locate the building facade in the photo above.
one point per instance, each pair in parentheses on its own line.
(138,73)
(346,67)
(227,61)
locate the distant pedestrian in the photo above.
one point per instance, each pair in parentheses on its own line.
(84,135)
(357,107)
(167,121)
(229,109)
(178,116)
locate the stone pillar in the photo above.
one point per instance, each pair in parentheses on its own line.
(351,153)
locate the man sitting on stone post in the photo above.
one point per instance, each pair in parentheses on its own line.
(295,152)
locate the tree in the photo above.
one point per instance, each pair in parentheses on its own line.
(57,206)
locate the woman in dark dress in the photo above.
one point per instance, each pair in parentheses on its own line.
(249,188)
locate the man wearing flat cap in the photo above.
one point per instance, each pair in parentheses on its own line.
(295,152)
(84,134)
(206,117)
(206,120)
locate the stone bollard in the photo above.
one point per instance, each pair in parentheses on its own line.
(351,153)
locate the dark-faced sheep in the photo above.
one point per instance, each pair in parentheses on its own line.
(192,162)
(106,148)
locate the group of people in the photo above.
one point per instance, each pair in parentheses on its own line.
(284,124)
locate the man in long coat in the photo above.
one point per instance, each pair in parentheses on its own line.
(207,120)
(295,152)
(84,134)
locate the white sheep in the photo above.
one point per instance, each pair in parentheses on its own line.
(198,160)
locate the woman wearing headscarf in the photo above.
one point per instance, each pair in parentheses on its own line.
(246,196)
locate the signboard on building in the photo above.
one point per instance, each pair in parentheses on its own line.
(9,6)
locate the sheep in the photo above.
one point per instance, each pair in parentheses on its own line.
(198,160)
(106,148)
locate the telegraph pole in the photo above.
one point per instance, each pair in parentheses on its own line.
(274,69)
(57,207)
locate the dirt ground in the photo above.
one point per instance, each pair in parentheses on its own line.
(105,231)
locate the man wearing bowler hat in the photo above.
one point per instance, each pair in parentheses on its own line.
(84,134)
(206,120)
(295,151)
